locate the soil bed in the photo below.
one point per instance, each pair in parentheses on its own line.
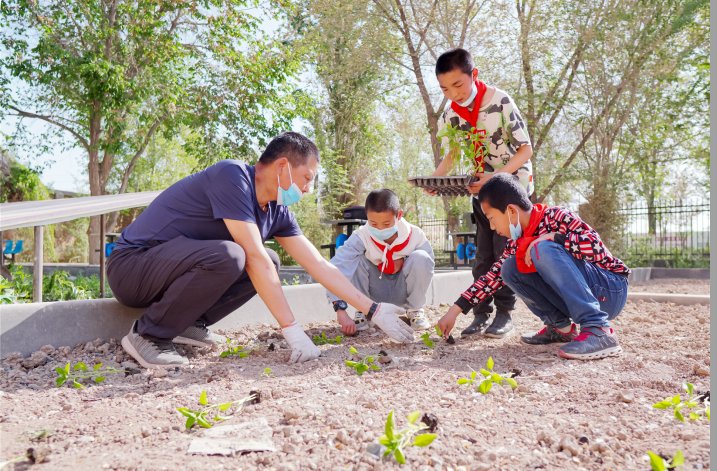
(564,414)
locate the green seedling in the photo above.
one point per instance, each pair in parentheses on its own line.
(658,463)
(209,414)
(426,338)
(490,377)
(324,340)
(74,375)
(396,440)
(465,146)
(689,406)
(235,350)
(363,364)
(267,372)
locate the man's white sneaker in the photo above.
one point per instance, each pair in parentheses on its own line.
(199,336)
(418,320)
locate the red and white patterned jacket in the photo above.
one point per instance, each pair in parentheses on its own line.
(579,239)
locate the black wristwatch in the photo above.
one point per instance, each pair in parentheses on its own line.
(340,305)
(371,311)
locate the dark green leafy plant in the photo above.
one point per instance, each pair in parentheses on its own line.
(75,374)
(396,440)
(324,340)
(690,405)
(490,377)
(363,363)
(658,463)
(209,414)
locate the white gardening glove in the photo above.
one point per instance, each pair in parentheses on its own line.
(386,318)
(302,348)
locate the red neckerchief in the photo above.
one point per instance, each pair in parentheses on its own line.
(390,267)
(528,236)
(472,115)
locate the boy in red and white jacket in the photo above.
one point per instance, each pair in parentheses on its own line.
(557,264)
(389,258)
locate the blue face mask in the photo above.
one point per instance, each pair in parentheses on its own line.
(290,196)
(516,230)
(382,234)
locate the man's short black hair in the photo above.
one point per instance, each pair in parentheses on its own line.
(455,59)
(379,201)
(292,145)
(504,189)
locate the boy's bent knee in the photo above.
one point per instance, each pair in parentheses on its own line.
(421,259)
(545,251)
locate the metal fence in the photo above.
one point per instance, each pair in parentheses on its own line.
(670,233)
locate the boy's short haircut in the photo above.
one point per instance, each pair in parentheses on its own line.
(292,145)
(504,189)
(380,201)
(455,59)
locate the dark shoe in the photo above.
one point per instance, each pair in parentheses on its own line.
(549,334)
(501,326)
(592,343)
(479,322)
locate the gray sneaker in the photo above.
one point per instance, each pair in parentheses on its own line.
(152,352)
(592,343)
(198,335)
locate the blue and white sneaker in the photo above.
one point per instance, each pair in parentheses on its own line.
(592,343)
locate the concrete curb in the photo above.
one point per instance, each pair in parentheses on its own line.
(675,298)
(27,327)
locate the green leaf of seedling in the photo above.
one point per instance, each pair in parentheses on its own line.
(224,354)
(389,426)
(190,422)
(99,379)
(370,359)
(679,416)
(225,406)
(694,416)
(424,439)
(80,366)
(707,412)
(439,332)
(97,366)
(202,421)
(60,381)
(474,374)
(656,462)
(676,399)
(398,454)
(375,367)
(513,383)
(690,388)
(60,371)
(243,354)
(678,459)
(463,381)
(203,398)
(361,369)
(484,386)
(384,440)
(76,384)
(662,404)
(351,364)
(413,417)
(185,412)
(353,351)
(67,369)
(490,363)
(496,377)
(484,372)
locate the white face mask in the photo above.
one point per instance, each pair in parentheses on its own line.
(474,92)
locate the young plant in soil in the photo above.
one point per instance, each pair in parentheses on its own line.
(490,378)
(465,146)
(396,440)
(426,338)
(267,373)
(235,350)
(363,364)
(690,405)
(660,463)
(207,415)
(324,340)
(74,375)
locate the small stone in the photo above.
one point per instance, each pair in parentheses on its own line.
(567,444)
(35,360)
(627,397)
(342,437)
(47,349)
(621,436)
(375,449)
(583,440)
(145,432)
(291,414)
(701,370)
(599,446)
(546,438)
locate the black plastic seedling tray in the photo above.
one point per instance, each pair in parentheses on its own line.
(444,186)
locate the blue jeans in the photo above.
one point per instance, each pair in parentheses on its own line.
(565,288)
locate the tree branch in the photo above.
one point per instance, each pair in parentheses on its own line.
(51,120)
